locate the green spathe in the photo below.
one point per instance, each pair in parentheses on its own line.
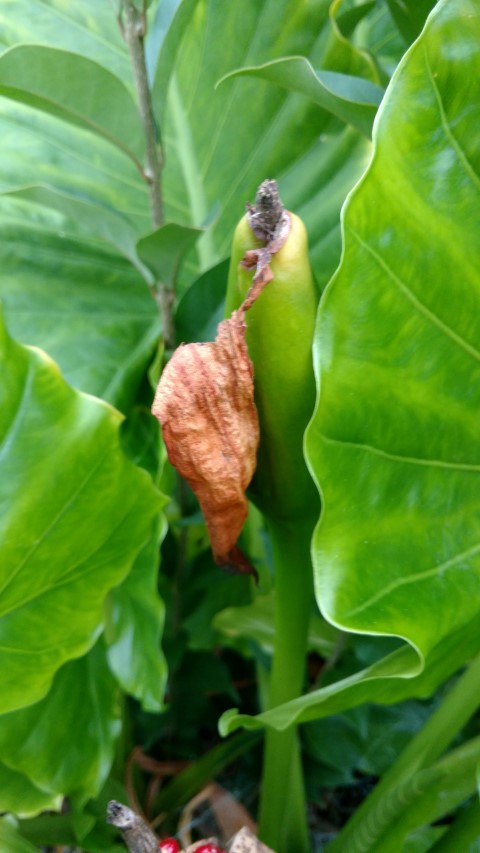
(280,328)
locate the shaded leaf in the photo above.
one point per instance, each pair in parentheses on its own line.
(163,250)
(75,89)
(135,619)
(352,99)
(65,743)
(163,39)
(186,783)
(20,796)
(86,27)
(11,840)
(202,307)
(75,514)
(89,217)
(410,16)
(82,303)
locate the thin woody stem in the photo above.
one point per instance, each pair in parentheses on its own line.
(133,28)
(134,34)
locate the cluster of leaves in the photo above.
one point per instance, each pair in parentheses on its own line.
(392,443)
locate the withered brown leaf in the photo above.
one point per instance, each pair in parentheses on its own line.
(204,402)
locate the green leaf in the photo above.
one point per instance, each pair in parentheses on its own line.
(394,441)
(134,627)
(410,15)
(64,744)
(202,307)
(75,513)
(75,89)
(11,841)
(20,796)
(81,303)
(426,797)
(351,99)
(163,39)
(266,131)
(106,222)
(463,833)
(86,27)
(256,622)
(163,250)
(39,149)
(394,678)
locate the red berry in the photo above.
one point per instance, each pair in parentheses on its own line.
(169,845)
(208,848)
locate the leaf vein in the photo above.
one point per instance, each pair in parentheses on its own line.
(410,460)
(413,579)
(419,306)
(448,130)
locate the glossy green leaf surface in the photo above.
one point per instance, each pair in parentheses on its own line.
(394,443)
(75,513)
(64,743)
(351,99)
(62,83)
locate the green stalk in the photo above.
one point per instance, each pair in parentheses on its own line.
(463,832)
(371,820)
(283,823)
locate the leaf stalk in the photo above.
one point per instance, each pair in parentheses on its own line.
(283,806)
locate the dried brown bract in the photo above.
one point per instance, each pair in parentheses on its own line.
(204,402)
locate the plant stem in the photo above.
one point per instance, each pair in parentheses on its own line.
(430,742)
(283,808)
(133,27)
(134,34)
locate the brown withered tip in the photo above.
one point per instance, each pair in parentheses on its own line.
(236,563)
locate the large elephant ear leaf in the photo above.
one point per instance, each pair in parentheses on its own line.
(74,514)
(394,443)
